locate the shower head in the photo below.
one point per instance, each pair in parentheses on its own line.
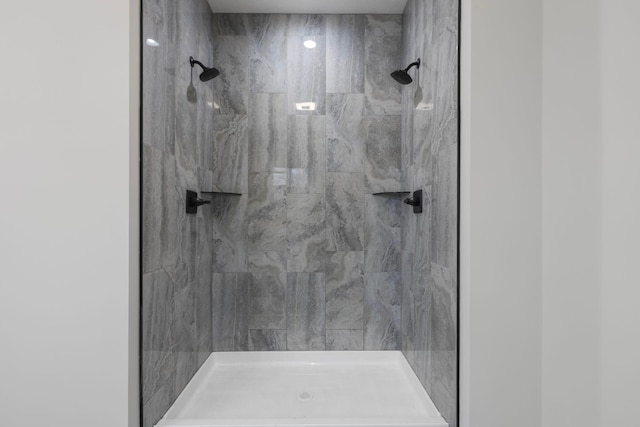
(207,73)
(402,76)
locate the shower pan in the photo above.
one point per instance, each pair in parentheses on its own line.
(332,389)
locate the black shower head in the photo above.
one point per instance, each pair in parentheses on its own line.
(207,73)
(402,76)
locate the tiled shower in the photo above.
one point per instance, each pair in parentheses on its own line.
(310,255)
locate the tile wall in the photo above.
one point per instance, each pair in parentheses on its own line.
(177,248)
(307,258)
(430,162)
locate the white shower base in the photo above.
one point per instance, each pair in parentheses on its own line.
(338,389)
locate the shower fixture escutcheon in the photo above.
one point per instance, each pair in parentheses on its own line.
(402,76)
(415,201)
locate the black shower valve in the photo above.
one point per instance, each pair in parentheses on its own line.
(415,201)
(193,201)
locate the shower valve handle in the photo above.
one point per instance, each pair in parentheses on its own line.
(412,201)
(196,201)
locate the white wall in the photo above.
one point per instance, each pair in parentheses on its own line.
(501,213)
(620,350)
(590,148)
(572,213)
(65,184)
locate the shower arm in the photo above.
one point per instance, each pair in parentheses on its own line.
(413,64)
(193,62)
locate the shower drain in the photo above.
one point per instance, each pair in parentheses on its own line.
(304,396)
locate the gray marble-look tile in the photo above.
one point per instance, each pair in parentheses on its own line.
(444,379)
(421,241)
(230,153)
(408,30)
(408,321)
(157,16)
(407,140)
(267,340)
(382,311)
(205,130)
(230,24)
(383,154)
(229,233)
(382,57)
(306,233)
(345,340)
(382,233)
(176,247)
(444,247)
(161,205)
(422,47)
(204,351)
(306,25)
(154,409)
(268,72)
(422,329)
(345,291)
(345,132)
(267,309)
(184,334)
(307,154)
(345,217)
(183,272)
(186,367)
(231,87)
(267,211)
(241,338)
(203,305)
(387,209)
(185,146)
(157,334)
(384,25)
(205,180)
(191,29)
(230,299)
(204,245)
(442,321)
(158,87)
(437,129)
(305,311)
(345,53)
(267,132)
(158,368)
(291,25)
(223,303)
(429,161)
(306,75)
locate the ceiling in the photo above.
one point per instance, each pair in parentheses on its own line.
(308,6)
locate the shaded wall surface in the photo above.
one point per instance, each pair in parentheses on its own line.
(307,258)
(430,162)
(177,248)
